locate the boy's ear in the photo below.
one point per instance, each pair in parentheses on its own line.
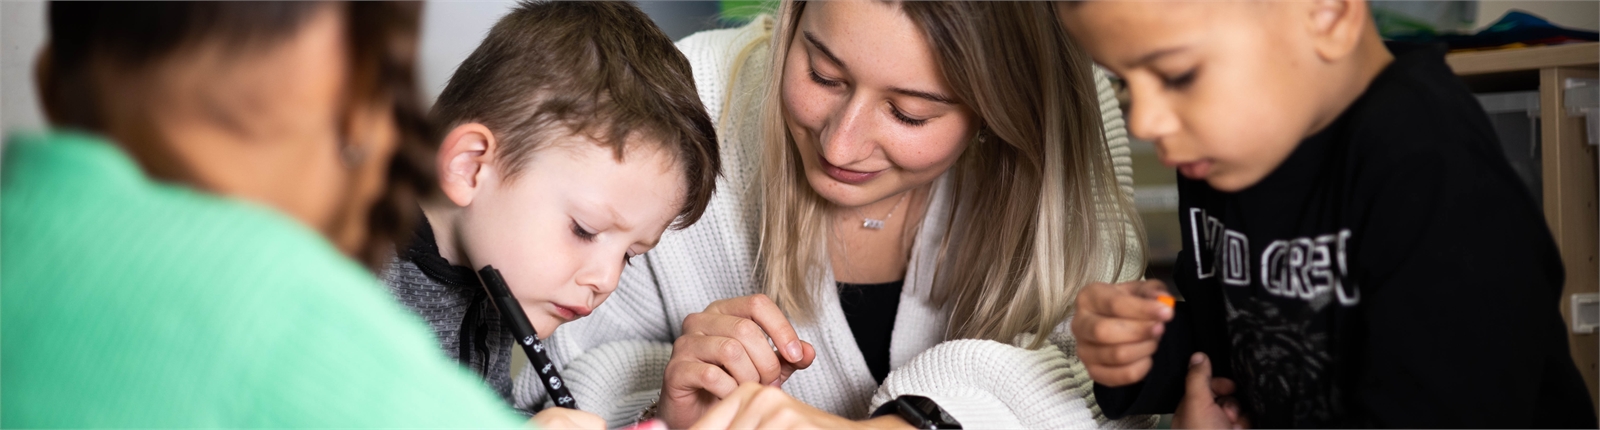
(465,159)
(1336,27)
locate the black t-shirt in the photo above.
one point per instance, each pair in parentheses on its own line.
(1391,272)
(870,310)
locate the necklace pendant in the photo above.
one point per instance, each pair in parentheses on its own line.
(875,224)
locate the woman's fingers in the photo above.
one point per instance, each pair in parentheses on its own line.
(765,313)
(685,378)
(788,369)
(748,337)
(730,343)
(724,352)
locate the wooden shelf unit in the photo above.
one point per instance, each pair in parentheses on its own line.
(1568,165)
(1512,60)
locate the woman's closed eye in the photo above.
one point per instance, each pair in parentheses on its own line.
(812,72)
(906,119)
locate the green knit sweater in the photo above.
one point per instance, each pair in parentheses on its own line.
(130,303)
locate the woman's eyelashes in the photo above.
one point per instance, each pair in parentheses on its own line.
(833,83)
(812,71)
(907,120)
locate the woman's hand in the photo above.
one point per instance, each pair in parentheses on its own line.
(563,418)
(766,407)
(1208,402)
(725,346)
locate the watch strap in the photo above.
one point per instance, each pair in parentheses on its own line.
(918,411)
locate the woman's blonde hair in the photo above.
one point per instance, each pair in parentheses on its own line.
(1037,212)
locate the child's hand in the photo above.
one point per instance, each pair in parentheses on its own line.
(1208,402)
(1118,327)
(563,418)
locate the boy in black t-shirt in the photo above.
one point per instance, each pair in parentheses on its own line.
(1358,252)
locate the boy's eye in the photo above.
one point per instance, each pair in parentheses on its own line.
(1181,81)
(821,80)
(586,235)
(627,258)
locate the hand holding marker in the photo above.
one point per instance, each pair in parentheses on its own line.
(1118,328)
(522,329)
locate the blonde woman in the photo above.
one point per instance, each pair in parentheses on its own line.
(914,193)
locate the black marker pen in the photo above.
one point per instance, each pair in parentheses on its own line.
(500,294)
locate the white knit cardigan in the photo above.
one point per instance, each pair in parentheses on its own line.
(614,360)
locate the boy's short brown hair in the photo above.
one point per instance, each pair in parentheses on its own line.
(601,69)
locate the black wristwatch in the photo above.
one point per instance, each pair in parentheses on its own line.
(920,412)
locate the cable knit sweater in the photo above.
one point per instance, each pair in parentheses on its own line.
(614,360)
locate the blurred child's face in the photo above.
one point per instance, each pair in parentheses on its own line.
(869,110)
(561,232)
(268,127)
(1221,88)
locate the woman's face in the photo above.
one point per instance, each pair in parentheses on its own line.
(869,110)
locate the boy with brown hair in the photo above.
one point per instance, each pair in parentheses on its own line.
(1358,250)
(574,137)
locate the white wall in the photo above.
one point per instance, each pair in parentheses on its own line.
(21,35)
(450,31)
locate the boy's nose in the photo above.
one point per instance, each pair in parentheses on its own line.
(600,277)
(1150,118)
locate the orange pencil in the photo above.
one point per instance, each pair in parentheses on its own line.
(1167,300)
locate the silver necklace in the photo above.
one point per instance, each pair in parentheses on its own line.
(877,224)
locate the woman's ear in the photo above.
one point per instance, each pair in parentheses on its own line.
(1336,27)
(466,158)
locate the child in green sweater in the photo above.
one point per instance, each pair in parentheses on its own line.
(184,257)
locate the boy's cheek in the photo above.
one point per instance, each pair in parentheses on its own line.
(542,321)
(600,299)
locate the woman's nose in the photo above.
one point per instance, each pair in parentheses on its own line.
(850,138)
